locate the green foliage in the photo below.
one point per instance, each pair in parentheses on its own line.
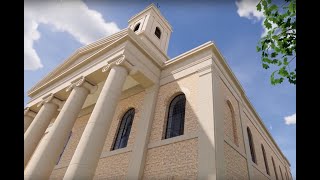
(279,44)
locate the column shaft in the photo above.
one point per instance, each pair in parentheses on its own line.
(48,151)
(37,128)
(86,157)
(27,122)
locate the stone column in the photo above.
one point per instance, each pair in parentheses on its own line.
(28,117)
(39,125)
(45,157)
(140,147)
(210,145)
(86,157)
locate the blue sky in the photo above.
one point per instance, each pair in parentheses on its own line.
(52,34)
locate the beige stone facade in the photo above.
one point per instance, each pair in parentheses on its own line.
(89,94)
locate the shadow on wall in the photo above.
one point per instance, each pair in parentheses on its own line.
(173,158)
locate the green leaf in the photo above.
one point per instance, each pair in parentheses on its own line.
(267,24)
(265,66)
(274,61)
(273,81)
(267,60)
(259,7)
(264,3)
(258,48)
(291,7)
(283,72)
(285,61)
(274,54)
(273,7)
(279,63)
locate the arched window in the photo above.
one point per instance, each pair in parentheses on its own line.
(253,153)
(265,159)
(175,123)
(234,124)
(137,27)
(281,172)
(124,130)
(157,32)
(274,167)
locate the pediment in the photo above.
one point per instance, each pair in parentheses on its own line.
(80,55)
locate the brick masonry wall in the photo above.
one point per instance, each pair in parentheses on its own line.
(258,175)
(180,159)
(113,167)
(173,161)
(236,164)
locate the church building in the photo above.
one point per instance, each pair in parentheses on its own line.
(120,108)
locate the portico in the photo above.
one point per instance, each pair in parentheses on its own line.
(119,69)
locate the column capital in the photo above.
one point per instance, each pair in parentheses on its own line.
(50,98)
(119,61)
(82,82)
(29,112)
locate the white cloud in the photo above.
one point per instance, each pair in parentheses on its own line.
(73,17)
(247,9)
(290,119)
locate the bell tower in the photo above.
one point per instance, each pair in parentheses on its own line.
(152,28)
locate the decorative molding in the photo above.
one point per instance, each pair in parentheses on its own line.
(50,98)
(29,112)
(205,70)
(115,152)
(189,53)
(82,82)
(258,169)
(236,148)
(120,61)
(176,139)
(103,155)
(192,64)
(106,68)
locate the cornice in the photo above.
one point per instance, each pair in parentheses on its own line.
(81,51)
(187,54)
